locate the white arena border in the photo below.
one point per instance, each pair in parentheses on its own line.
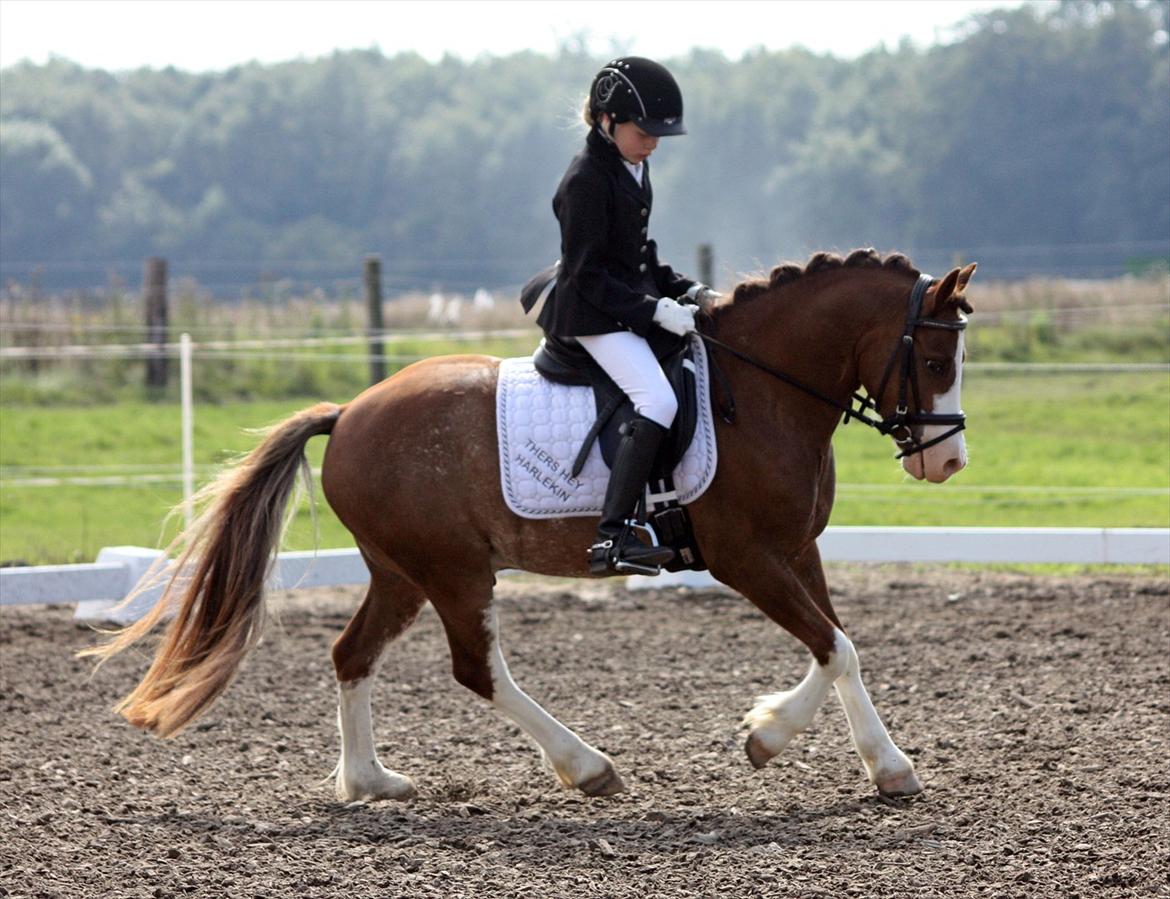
(97,587)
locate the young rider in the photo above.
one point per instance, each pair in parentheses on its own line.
(611,289)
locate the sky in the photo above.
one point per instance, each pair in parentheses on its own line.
(211,35)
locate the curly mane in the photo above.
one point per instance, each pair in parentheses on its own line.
(788,272)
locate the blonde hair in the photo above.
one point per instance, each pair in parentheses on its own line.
(587,113)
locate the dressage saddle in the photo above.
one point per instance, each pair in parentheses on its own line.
(565,361)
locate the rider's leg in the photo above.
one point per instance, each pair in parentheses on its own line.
(630,362)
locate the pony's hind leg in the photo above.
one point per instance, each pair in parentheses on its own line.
(391,604)
(465,607)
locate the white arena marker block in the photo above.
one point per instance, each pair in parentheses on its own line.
(1078,546)
(1137,546)
(320,568)
(61,584)
(136,562)
(694,579)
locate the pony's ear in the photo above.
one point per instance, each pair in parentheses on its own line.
(950,290)
(965,274)
(938,297)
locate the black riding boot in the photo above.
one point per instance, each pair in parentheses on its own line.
(617,550)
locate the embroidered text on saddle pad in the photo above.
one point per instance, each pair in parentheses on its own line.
(540,427)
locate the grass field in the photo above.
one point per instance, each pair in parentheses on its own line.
(1046,450)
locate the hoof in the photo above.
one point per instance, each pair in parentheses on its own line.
(387,786)
(757,754)
(607,783)
(899,785)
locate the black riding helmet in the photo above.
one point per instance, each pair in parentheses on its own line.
(639,90)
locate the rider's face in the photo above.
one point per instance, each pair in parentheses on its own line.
(633,143)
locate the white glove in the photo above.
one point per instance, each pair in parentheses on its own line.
(674,317)
(702,295)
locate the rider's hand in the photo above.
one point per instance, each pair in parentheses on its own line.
(674,317)
(700,295)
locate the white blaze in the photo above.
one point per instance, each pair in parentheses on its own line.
(943,459)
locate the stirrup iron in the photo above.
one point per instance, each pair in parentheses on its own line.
(605,555)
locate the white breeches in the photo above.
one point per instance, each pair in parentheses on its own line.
(628,359)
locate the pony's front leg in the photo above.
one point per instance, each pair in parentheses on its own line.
(773,585)
(793,601)
(887,766)
(777,718)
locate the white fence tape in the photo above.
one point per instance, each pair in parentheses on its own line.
(98,587)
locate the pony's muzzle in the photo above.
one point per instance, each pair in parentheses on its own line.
(937,463)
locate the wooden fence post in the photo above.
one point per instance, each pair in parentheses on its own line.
(154,289)
(374,317)
(706,264)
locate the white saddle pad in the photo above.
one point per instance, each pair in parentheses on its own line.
(541,426)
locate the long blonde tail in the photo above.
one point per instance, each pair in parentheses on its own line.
(217,582)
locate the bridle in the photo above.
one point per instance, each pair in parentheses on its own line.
(899,424)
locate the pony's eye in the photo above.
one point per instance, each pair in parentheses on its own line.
(936,366)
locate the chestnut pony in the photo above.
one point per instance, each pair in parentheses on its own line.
(411,470)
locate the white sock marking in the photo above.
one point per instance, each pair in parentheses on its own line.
(779,717)
(573,760)
(359,773)
(882,759)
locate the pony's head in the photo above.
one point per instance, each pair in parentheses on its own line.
(908,358)
(936,377)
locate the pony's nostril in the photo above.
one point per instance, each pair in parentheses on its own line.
(951,466)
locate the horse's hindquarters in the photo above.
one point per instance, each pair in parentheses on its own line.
(412,470)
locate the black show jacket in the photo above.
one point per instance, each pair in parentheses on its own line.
(608,264)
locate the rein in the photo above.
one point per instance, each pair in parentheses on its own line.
(898,425)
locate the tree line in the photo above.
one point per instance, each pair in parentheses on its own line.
(1044,130)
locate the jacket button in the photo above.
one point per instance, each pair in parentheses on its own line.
(642,267)
(643,248)
(645,231)
(645,212)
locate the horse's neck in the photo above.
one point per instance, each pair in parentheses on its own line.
(811,334)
